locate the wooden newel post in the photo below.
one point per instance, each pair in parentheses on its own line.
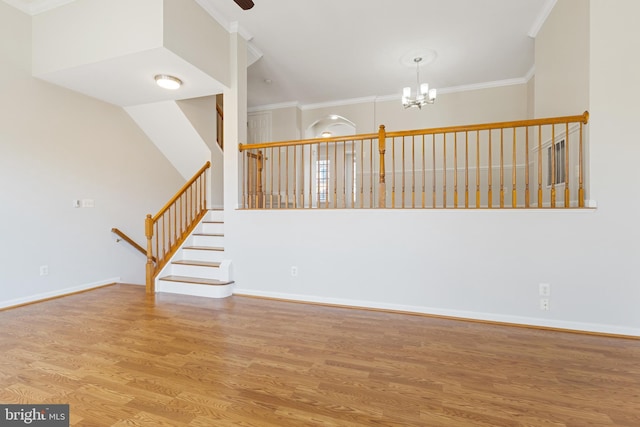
(148,231)
(382,188)
(259,180)
(585,120)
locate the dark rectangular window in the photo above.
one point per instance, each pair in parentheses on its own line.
(556,155)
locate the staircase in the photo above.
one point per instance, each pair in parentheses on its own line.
(199,268)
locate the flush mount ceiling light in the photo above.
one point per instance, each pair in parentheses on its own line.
(424,95)
(168,82)
(326,134)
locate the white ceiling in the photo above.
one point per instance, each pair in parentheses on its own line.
(325,51)
(318,51)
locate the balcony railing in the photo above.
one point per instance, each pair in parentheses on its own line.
(535,163)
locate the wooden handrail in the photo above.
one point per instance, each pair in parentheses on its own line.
(129,240)
(583,118)
(181,191)
(244,147)
(170,227)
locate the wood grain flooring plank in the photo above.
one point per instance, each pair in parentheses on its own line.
(122,358)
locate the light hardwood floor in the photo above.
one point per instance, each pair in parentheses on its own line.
(120,358)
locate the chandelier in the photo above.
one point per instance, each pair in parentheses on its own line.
(424,95)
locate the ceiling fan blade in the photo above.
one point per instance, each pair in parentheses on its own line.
(244,4)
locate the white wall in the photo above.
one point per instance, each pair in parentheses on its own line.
(502,103)
(285,124)
(614,93)
(458,108)
(201,112)
(235,122)
(484,264)
(57,45)
(194,35)
(361,114)
(478,264)
(562,61)
(174,135)
(57,146)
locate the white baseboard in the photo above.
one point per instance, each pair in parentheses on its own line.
(470,315)
(57,293)
(194,290)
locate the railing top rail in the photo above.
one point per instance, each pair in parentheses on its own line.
(130,241)
(244,147)
(181,191)
(583,118)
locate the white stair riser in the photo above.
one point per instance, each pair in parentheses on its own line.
(212,228)
(197,271)
(196,290)
(202,255)
(215,216)
(215,241)
(223,273)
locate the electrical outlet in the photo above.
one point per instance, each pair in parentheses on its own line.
(44,270)
(544,304)
(294,271)
(545,289)
(88,203)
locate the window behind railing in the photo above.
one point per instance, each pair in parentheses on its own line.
(556,157)
(520,164)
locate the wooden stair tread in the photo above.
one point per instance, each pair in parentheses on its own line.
(196,280)
(197,263)
(213,222)
(208,234)
(205,248)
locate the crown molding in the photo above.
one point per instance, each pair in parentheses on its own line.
(46,5)
(37,7)
(339,103)
(468,88)
(530,73)
(230,26)
(19,5)
(270,107)
(253,53)
(395,97)
(540,20)
(485,85)
(235,27)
